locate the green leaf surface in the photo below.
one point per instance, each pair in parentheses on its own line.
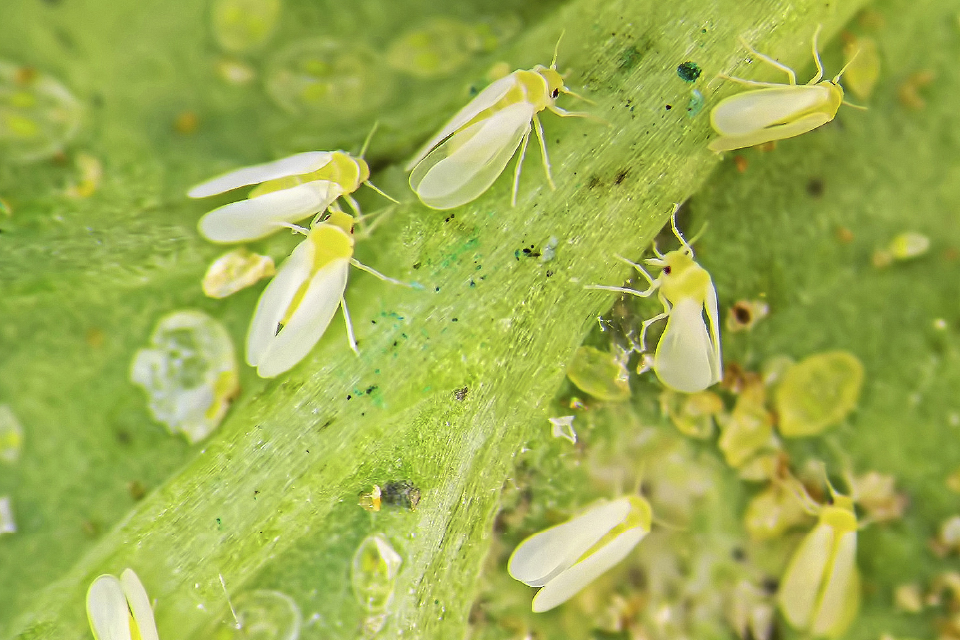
(269,501)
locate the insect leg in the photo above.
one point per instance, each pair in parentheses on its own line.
(643,272)
(633,292)
(749,83)
(516,173)
(816,57)
(760,56)
(646,325)
(374,272)
(543,151)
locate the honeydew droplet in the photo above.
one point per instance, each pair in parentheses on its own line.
(373,572)
(818,392)
(329,77)
(189,373)
(38,115)
(241,25)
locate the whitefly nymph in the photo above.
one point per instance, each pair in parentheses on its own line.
(775,111)
(687,358)
(564,559)
(119,609)
(473,148)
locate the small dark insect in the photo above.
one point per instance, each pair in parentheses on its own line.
(688,71)
(400,493)
(461,394)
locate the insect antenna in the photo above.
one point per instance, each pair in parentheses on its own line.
(816,57)
(366,143)
(556,50)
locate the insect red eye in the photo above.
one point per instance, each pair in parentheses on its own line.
(667,270)
(555,93)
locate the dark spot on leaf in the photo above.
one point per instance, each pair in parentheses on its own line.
(815,187)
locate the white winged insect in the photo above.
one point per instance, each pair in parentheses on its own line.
(687,358)
(820,590)
(119,609)
(473,148)
(567,557)
(297,306)
(288,190)
(775,111)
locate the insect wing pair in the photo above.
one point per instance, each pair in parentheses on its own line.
(115,607)
(775,111)
(289,190)
(820,591)
(297,306)
(567,557)
(473,148)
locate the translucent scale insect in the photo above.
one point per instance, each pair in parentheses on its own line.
(820,590)
(567,557)
(473,148)
(297,306)
(687,358)
(119,609)
(775,111)
(288,190)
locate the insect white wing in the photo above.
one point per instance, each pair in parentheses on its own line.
(568,583)
(139,605)
(711,306)
(483,100)
(107,609)
(779,132)
(749,111)
(276,299)
(542,556)
(294,165)
(685,359)
(257,217)
(800,587)
(470,161)
(308,322)
(841,581)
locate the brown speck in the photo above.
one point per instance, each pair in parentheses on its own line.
(25,75)
(909,91)
(767,146)
(815,187)
(740,163)
(844,235)
(95,338)
(461,394)
(620,176)
(136,489)
(186,123)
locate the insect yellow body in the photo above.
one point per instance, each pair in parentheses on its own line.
(775,111)
(820,591)
(687,358)
(473,148)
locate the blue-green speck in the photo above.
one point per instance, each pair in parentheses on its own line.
(695,104)
(688,71)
